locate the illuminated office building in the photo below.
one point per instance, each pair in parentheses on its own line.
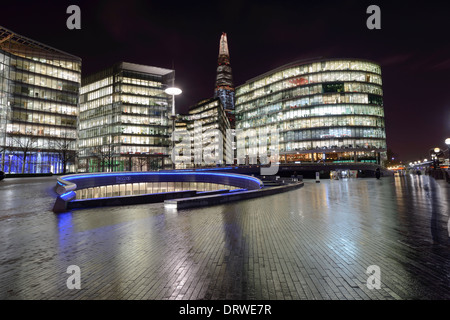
(324,110)
(124,119)
(208,126)
(39,90)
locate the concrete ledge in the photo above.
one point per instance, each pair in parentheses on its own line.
(67,185)
(127,200)
(67,200)
(209,200)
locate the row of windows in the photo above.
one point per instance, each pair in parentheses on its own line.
(42,131)
(145,130)
(39,143)
(315,89)
(297,90)
(333,122)
(43,81)
(146,111)
(87,151)
(146,140)
(92,105)
(309,101)
(211,105)
(102,111)
(320,66)
(42,118)
(324,146)
(97,127)
(115,129)
(146,91)
(331,144)
(96,85)
(104,91)
(147,101)
(61,63)
(46,106)
(308,112)
(45,94)
(160,121)
(285,120)
(45,69)
(140,82)
(330,133)
(322,133)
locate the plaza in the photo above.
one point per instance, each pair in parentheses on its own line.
(312,243)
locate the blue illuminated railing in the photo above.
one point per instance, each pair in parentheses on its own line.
(91,180)
(67,185)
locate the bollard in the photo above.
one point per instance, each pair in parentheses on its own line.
(317,177)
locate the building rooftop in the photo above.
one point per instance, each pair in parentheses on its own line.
(20,45)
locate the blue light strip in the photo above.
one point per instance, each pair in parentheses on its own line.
(94,175)
(66,196)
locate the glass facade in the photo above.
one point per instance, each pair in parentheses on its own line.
(124,119)
(325,110)
(39,90)
(211,115)
(129,189)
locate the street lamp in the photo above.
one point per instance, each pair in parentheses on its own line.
(173,91)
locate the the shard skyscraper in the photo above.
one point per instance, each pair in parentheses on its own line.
(224,88)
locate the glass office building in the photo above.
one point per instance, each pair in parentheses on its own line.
(124,119)
(210,132)
(324,110)
(39,90)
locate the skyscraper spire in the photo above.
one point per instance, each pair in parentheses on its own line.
(223,48)
(224,89)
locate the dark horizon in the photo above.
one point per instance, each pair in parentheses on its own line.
(262,36)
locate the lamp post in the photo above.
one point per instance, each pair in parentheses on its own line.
(173,91)
(435,152)
(447,142)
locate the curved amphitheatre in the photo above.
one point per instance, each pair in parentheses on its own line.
(177,189)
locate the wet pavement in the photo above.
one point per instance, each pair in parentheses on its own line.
(312,243)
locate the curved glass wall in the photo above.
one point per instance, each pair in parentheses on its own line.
(129,189)
(328,110)
(39,90)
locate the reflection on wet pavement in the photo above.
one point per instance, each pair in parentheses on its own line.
(313,243)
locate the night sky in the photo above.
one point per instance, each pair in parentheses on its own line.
(413,47)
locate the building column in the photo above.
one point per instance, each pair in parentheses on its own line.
(3,161)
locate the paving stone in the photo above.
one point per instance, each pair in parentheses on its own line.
(312,243)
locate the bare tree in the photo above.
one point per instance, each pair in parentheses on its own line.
(64,147)
(24,144)
(141,162)
(105,156)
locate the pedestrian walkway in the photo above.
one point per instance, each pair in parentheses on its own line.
(312,243)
